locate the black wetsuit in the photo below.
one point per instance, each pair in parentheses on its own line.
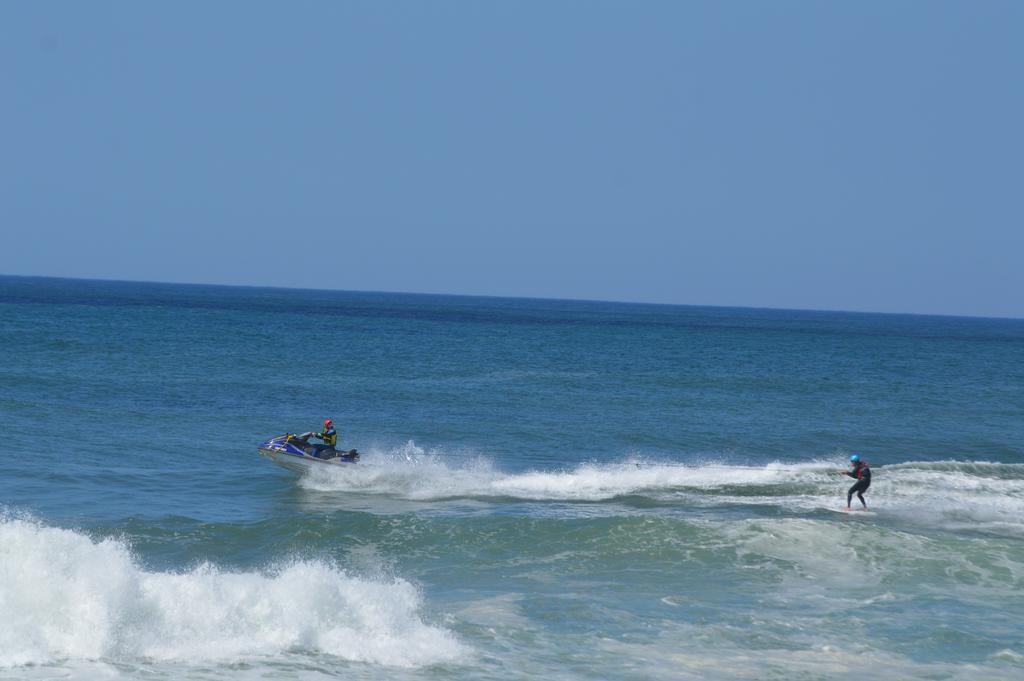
(862,472)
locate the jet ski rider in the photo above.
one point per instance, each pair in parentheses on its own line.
(330,438)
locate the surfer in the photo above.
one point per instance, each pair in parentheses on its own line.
(330,438)
(861,472)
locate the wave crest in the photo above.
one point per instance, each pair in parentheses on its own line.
(64,596)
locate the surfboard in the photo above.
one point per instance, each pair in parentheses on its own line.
(851,512)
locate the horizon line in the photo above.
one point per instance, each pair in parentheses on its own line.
(510,297)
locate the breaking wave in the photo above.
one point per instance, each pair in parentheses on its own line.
(64,596)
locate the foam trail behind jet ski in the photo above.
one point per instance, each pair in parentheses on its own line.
(986,497)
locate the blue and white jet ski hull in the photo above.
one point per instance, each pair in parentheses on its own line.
(295,454)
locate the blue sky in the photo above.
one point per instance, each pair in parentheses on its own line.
(857,156)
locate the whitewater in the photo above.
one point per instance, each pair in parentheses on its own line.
(983,497)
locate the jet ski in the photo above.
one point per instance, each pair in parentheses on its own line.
(297,453)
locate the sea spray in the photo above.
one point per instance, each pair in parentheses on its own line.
(65,596)
(982,497)
(415,473)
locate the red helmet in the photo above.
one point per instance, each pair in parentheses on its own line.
(328,423)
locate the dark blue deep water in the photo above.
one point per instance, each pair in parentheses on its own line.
(548,489)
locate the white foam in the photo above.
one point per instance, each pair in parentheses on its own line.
(987,497)
(686,652)
(64,596)
(413,473)
(825,559)
(982,497)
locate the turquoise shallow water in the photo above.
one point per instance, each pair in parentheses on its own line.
(548,489)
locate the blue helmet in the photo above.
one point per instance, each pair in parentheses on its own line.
(854,458)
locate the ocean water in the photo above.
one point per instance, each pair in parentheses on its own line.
(548,489)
